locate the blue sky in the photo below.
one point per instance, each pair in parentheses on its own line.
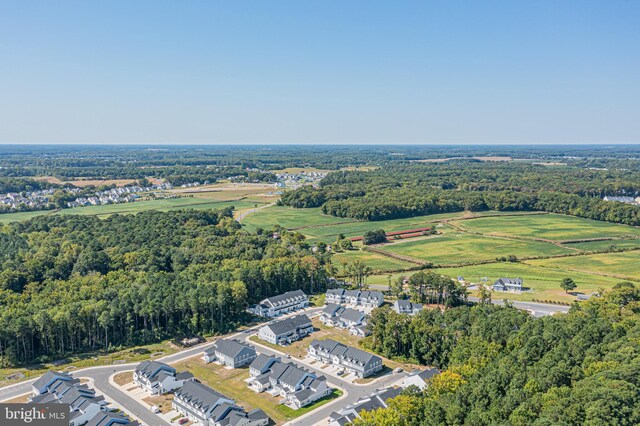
(313,72)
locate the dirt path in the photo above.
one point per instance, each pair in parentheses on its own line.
(241,215)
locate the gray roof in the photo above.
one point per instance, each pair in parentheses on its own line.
(354,355)
(103,418)
(230,348)
(372,295)
(336,291)
(263,361)
(331,309)
(510,281)
(352,315)
(293,375)
(284,298)
(289,325)
(49,377)
(148,368)
(184,375)
(199,395)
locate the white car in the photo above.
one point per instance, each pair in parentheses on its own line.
(155,409)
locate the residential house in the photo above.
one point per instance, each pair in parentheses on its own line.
(405,306)
(50,380)
(353,360)
(338,316)
(262,364)
(158,378)
(287,330)
(378,399)
(508,284)
(280,304)
(230,353)
(420,378)
(297,386)
(355,298)
(360,330)
(107,418)
(206,407)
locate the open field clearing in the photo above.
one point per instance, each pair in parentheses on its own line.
(625,265)
(543,282)
(289,218)
(230,382)
(458,248)
(127,208)
(605,245)
(376,261)
(548,226)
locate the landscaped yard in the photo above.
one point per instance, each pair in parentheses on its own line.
(230,382)
(548,226)
(456,248)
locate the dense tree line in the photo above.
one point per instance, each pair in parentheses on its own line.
(74,283)
(502,366)
(20,184)
(420,190)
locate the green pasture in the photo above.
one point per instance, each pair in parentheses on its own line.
(548,226)
(289,218)
(625,265)
(457,248)
(376,261)
(605,245)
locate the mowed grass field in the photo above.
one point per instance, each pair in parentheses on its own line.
(548,226)
(544,282)
(376,261)
(625,265)
(605,245)
(459,248)
(289,218)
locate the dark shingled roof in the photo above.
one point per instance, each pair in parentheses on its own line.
(199,395)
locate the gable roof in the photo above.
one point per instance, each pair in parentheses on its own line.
(352,315)
(230,348)
(263,361)
(199,395)
(49,377)
(289,325)
(353,355)
(282,299)
(149,369)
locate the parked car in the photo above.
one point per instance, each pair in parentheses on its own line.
(398,370)
(155,409)
(183,421)
(287,356)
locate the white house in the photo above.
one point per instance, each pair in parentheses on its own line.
(355,361)
(406,307)
(159,378)
(229,352)
(420,378)
(349,413)
(508,284)
(287,330)
(280,304)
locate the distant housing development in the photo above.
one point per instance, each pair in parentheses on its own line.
(508,284)
(158,378)
(280,304)
(355,361)
(230,353)
(287,330)
(355,298)
(206,407)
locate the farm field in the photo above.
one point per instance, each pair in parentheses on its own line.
(605,245)
(543,281)
(548,226)
(624,265)
(376,261)
(458,248)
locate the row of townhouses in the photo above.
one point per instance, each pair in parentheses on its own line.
(229,352)
(354,320)
(206,407)
(355,361)
(86,408)
(297,386)
(280,304)
(158,378)
(355,298)
(286,331)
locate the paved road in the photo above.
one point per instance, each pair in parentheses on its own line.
(100,376)
(537,309)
